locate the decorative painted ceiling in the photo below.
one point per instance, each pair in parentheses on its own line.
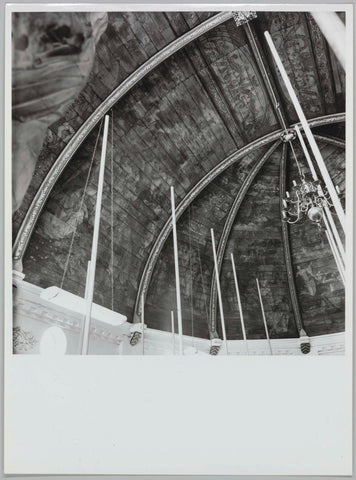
(203,120)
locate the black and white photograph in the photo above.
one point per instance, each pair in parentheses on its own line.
(178,183)
(178,239)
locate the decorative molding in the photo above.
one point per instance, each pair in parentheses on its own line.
(158,342)
(288,135)
(17,277)
(242,17)
(199,187)
(77,139)
(135,338)
(304,342)
(26,309)
(136,331)
(22,340)
(336,349)
(17,265)
(286,244)
(215,346)
(28,304)
(228,226)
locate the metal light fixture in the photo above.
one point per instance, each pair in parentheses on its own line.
(306,200)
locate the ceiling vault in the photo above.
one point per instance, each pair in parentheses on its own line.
(285,233)
(227,229)
(286,245)
(218,98)
(307,19)
(206,105)
(137,136)
(210,84)
(221,101)
(199,187)
(266,74)
(80,135)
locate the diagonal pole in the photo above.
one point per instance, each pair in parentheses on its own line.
(176,268)
(91,277)
(143,321)
(333,233)
(239,302)
(264,317)
(219,292)
(173,334)
(315,149)
(334,249)
(81,338)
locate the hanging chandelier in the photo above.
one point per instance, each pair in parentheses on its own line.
(306,200)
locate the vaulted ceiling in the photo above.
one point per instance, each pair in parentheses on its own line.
(203,120)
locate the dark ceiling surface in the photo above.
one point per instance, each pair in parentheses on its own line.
(184,118)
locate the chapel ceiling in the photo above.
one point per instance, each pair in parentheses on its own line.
(184,118)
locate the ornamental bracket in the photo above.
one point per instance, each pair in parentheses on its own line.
(243,17)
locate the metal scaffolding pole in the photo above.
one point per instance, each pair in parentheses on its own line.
(334,31)
(94,251)
(219,292)
(315,149)
(239,302)
(264,317)
(176,267)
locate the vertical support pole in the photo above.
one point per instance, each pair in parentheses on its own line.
(94,251)
(326,208)
(173,334)
(264,317)
(219,292)
(239,302)
(176,267)
(81,338)
(335,255)
(315,149)
(143,322)
(306,153)
(334,249)
(286,247)
(335,233)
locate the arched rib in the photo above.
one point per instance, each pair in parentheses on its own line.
(338,142)
(33,213)
(64,157)
(228,226)
(266,74)
(286,244)
(194,192)
(285,232)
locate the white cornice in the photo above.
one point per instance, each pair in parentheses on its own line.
(28,304)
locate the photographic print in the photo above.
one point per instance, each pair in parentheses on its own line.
(178,284)
(178,182)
